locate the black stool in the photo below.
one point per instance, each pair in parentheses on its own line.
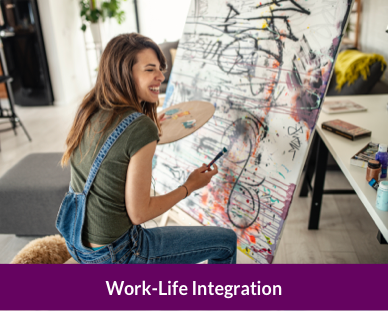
(9,113)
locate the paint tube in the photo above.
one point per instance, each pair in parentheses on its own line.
(374,184)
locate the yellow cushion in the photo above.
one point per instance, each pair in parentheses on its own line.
(351,63)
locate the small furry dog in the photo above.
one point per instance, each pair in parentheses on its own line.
(47,250)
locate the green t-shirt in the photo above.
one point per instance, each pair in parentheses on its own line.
(106,217)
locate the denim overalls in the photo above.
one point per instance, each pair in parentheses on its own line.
(71,214)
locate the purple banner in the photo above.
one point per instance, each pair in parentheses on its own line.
(192,287)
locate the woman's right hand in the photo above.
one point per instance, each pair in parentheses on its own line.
(200,177)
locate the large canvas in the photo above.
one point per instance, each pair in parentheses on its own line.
(264,65)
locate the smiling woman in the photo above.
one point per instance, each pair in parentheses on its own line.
(110,149)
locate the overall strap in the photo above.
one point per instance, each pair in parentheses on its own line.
(106,147)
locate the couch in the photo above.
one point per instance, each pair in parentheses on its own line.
(166,48)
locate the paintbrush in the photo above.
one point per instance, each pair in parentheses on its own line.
(223,151)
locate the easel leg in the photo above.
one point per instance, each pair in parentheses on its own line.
(320,173)
(179,217)
(164,220)
(381,238)
(310,167)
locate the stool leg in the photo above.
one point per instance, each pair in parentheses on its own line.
(14,119)
(24,129)
(14,125)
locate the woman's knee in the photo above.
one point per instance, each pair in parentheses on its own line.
(232,237)
(229,238)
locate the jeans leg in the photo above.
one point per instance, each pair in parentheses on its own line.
(170,245)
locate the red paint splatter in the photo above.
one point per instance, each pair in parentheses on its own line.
(247,201)
(218,208)
(252,239)
(204,196)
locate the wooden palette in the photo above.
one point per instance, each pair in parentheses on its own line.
(173,127)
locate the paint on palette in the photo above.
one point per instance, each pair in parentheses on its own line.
(172,111)
(189,124)
(265,68)
(181,114)
(175,114)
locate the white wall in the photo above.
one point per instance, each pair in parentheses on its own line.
(65,49)
(374,21)
(111,28)
(163,20)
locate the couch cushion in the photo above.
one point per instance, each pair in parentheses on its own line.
(31,193)
(173,54)
(163,88)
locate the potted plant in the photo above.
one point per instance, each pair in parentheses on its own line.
(90,12)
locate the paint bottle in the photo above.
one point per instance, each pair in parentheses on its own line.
(382,196)
(382,157)
(373,170)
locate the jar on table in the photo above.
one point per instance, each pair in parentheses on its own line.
(373,170)
(382,196)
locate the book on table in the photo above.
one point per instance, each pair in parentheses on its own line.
(341,106)
(345,129)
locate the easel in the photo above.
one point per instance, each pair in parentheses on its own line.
(173,131)
(178,216)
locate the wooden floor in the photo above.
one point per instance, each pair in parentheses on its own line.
(347,233)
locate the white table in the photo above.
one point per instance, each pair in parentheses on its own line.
(342,149)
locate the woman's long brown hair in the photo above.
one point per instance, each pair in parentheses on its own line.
(115,90)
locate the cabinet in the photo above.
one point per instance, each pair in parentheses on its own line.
(24,51)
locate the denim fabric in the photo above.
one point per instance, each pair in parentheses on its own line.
(166,245)
(139,245)
(186,245)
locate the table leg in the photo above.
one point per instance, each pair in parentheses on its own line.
(320,173)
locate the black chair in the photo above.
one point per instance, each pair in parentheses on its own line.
(9,113)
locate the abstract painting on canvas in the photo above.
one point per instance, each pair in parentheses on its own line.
(264,65)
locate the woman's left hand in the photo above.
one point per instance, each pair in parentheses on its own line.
(160,117)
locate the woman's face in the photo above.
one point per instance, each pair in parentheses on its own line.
(147,75)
